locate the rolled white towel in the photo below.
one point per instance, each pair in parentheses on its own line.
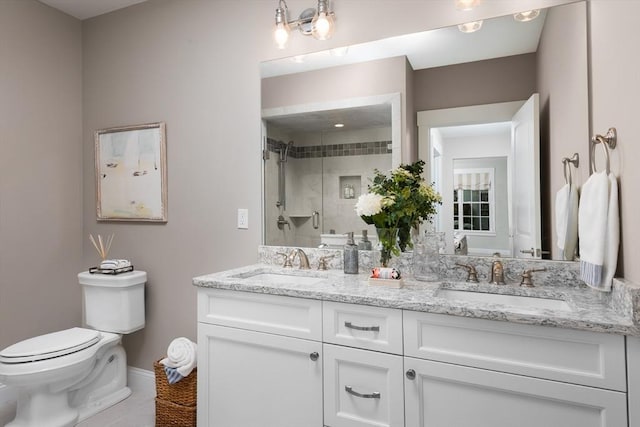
(182,355)
(112,264)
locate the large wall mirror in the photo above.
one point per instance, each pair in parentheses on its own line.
(446,97)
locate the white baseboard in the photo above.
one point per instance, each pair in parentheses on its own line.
(141,380)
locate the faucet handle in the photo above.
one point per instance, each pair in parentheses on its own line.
(527,277)
(288,258)
(322,262)
(472,275)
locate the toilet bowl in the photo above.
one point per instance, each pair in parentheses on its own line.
(64,377)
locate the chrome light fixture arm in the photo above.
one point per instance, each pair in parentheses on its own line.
(317,22)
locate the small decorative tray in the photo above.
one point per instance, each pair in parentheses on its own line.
(112,271)
(389,283)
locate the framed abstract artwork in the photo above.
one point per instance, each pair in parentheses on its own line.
(131,173)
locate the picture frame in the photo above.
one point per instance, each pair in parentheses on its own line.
(131,173)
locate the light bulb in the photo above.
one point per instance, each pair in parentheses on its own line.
(281,30)
(322,25)
(526,16)
(470,27)
(281,35)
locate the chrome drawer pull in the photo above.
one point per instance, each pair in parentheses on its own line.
(362,328)
(374,395)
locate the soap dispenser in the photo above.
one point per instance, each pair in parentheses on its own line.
(365,243)
(350,260)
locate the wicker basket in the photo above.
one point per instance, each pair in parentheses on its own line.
(172,414)
(182,393)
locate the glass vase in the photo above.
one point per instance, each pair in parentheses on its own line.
(388,244)
(426,256)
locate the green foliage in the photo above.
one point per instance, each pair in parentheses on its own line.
(407,200)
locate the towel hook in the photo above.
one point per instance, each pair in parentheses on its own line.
(607,141)
(575,161)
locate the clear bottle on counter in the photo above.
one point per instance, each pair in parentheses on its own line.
(426,256)
(365,243)
(350,255)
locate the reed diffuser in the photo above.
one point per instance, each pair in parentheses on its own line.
(102,245)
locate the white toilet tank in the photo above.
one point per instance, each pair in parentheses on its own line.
(114,303)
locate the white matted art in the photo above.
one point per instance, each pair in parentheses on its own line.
(131,173)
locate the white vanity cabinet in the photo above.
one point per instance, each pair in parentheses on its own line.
(259,360)
(363,366)
(277,361)
(463,372)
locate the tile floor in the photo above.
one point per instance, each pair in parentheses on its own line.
(138,410)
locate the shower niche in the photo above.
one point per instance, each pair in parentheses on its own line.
(349,187)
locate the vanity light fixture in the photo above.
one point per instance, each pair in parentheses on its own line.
(470,27)
(466,4)
(316,22)
(339,125)
(526,16)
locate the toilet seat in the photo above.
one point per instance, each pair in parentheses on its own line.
(50,346)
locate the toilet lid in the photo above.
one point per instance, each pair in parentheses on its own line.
(51,345)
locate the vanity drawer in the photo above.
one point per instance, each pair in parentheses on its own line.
(293,317)
(362,388)
(372,328)
(579,357)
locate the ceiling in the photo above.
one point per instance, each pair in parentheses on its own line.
(84,9)
(371,116)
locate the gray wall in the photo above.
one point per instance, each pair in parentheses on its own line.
(40,170)
(512,78)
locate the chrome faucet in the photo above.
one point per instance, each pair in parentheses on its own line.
(323,262)
(282,222)
(527,277)
(496,276)
(472,274)
(304,261)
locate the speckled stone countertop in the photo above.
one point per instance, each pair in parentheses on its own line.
(613,312)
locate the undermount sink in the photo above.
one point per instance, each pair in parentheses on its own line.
(264,277)
(516,301)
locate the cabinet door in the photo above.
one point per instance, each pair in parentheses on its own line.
(362,388)
(249,379)
(443,395)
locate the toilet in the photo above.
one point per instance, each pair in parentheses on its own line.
(64,377)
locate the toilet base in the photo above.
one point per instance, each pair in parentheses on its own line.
(45,410)
(90,409)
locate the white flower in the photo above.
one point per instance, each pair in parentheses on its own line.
(369,204)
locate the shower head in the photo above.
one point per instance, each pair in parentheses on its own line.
(284,151)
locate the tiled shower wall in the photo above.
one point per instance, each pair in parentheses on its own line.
(313,183)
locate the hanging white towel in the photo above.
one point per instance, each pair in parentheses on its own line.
(612,243)
(567,221)
(181,355)
(598,225)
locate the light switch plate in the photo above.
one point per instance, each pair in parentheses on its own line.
(243,218)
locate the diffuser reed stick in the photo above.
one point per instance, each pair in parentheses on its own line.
(101,247)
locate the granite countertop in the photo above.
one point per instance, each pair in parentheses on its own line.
(589,309)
